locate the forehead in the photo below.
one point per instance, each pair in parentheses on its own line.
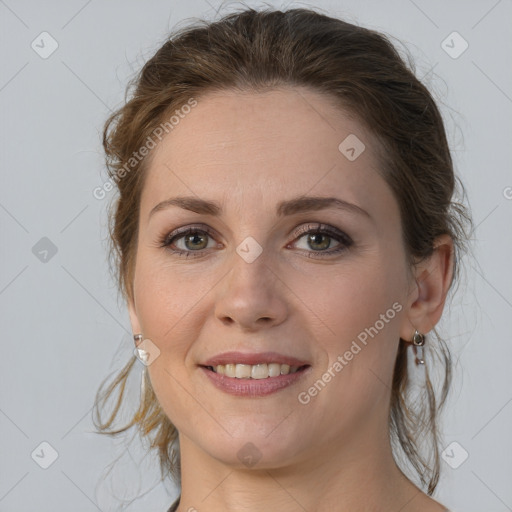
(283,141)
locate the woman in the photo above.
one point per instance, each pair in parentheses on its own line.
(285,236)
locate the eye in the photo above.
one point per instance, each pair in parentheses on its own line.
(192,241)
(319,237)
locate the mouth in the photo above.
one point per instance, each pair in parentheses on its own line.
(250,381)
(255,371)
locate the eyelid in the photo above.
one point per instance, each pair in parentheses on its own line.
(167,236)
(322,228)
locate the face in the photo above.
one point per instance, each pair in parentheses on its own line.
(326,286)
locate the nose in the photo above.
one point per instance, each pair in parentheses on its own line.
(252,295)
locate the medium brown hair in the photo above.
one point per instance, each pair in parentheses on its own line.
(361,72)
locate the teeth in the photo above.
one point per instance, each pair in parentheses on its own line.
(255,371)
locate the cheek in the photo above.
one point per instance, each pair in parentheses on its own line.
(355,313)
(168,298)
(168,304)
(358,332)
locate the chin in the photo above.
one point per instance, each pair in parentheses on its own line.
(255,451)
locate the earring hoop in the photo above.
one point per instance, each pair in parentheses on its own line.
(142,355)
(418,341)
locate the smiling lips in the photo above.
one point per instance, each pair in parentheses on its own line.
(261,365)
(253,387)
(255,371)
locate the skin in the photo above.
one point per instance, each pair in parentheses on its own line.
(249,151)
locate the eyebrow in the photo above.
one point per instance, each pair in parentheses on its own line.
(284,208)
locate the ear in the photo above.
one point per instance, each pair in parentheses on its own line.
(428,294)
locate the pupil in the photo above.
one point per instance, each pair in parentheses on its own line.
(192,238)
(315,241)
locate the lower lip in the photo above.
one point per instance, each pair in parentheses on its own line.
(254,387)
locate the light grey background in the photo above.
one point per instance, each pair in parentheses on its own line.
(63,328)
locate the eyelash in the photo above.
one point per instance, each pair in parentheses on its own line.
(322,229)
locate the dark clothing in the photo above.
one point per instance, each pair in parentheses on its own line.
(174,506)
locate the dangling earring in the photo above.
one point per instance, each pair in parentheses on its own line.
(143,355)
(140,353)
(418,341)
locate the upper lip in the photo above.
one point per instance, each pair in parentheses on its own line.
(253,358)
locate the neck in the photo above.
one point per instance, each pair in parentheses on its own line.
(345,477)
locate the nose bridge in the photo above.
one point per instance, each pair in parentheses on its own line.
(251,268)
(249,234)
(250,291)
